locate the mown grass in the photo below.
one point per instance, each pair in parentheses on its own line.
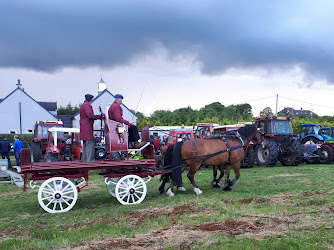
(291,206)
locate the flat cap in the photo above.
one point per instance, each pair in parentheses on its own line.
(118,96)
(89,97)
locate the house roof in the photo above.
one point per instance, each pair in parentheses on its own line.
(19,89)
(50,106)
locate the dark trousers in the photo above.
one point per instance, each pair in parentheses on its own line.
(7,156)
(88,151)
(17,157)
(133,134)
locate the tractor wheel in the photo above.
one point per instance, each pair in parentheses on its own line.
(326,154)
(100,154)
(51,157)
(311,140)
(249,160)
(268,155)
(293,156)
(36,151)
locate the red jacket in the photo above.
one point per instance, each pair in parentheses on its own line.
(115,113)
(87,118)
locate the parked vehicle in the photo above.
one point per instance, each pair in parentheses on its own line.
(204,129)
(312,133)
(280,143)
(39,142)
(328,131)
(57,150)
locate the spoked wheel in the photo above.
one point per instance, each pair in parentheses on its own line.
(57,195)
(130,190)
(111,186)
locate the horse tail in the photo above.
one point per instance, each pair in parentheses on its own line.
(176,164)
(167,164)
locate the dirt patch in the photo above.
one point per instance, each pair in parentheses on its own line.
(286,175)
(234,227)
(248,200)
(331,208)
(176,237)
(139,216)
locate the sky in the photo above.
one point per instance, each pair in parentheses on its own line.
(164,55)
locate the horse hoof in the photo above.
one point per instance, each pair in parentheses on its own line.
(181,189)
(230,183)
(198,191)
(228,188)
(169,193)
(216,186)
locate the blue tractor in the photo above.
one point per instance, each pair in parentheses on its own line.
(312,133)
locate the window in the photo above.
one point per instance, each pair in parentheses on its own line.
(29,131)
(13,132)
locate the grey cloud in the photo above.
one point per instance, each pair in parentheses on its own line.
(50,35)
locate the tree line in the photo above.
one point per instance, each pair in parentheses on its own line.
(212,113)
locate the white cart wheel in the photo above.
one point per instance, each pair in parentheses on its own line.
(130,190)
(57,195)
(111,186)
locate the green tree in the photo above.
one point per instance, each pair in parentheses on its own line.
(266,112)
(68,109)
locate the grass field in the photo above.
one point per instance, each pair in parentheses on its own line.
(269,208)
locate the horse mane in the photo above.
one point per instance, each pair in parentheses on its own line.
(248,130)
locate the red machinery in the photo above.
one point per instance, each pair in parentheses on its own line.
(125,179)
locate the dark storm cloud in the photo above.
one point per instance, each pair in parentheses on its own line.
(50,35)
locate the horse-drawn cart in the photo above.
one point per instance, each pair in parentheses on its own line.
(125,179)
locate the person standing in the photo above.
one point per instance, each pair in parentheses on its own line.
(4,150)
(115,113)
(87,119)
(18,145)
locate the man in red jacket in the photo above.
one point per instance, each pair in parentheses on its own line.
(87,119)
(115,113)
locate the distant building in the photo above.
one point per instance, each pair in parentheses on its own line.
(293,112)
(19,112)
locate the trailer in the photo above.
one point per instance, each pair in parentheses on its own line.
(60,182)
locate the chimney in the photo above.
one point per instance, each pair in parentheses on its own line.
(19,85)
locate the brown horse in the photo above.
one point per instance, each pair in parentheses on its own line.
(221,151)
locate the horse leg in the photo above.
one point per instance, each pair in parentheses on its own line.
(215,181)
(237,175)
(227,183)
(181,188)
(164,178)
(170,189)
(191,174)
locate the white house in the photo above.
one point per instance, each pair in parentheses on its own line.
(104,99)
(19,112)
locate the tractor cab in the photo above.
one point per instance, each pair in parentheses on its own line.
(205,129)
(178,136)
(312,133)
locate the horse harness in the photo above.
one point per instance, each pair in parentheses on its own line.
(228,148)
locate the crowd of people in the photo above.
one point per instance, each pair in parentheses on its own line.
(5,148)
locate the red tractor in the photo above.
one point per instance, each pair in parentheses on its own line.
(39,143)
(60,150)
(205,129)
(280,143)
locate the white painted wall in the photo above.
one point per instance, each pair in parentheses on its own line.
(31,112)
